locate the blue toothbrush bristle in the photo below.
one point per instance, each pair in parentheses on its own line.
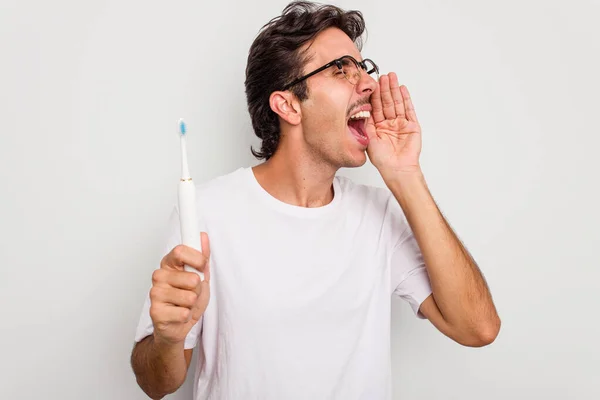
(182,127)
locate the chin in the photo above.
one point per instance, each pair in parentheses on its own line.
(355,158)
(357,153)
(356,147)
(347,153)
(360,162)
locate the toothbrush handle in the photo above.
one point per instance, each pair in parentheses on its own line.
(190,234)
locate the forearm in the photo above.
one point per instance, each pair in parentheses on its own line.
(160,369)
(459,289)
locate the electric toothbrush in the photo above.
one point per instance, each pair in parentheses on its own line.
(190,234)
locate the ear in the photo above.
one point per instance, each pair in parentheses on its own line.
(286,106)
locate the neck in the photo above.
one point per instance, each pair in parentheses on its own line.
(295,178)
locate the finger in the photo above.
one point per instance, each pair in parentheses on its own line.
(377,111)
(205,244)
(173,278)
(184,255)
(203,299)
(411,115)
(370,128)
(177,279)
(396,96)
(204,240)
(206,271)
(389,110)
(174,296)
(165,313)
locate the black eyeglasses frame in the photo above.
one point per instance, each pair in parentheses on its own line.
(338,62)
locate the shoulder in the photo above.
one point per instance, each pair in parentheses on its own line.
(376,206)
(370,201)
(360,192)
(222,185)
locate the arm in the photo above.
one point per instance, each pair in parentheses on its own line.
(178,299)
(159,369)
(461,306)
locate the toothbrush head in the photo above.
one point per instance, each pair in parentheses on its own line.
(181,127)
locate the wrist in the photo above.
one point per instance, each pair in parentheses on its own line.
(166,346)
(403,178)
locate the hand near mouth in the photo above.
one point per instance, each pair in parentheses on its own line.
(393,129)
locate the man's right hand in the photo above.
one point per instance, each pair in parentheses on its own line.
(178,298)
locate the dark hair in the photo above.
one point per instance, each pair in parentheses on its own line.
(275,59)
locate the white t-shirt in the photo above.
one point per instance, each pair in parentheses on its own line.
(300,297)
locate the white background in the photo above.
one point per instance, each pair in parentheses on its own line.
(507,94)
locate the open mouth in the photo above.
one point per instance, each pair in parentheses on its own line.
(357,126)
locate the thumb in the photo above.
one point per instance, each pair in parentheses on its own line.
(205,244)
(370,128)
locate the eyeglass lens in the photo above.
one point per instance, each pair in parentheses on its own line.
(352,71)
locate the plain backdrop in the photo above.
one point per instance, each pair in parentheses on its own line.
(90,94)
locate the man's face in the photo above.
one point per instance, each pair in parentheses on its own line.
(332,100)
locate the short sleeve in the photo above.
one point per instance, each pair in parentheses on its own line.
(409,277)
(145,326)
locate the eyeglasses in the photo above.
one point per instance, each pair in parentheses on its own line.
(348,65)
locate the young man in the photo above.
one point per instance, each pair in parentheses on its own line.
(297,294)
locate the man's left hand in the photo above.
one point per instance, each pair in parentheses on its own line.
(393,129)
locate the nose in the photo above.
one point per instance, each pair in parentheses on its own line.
(366,84)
